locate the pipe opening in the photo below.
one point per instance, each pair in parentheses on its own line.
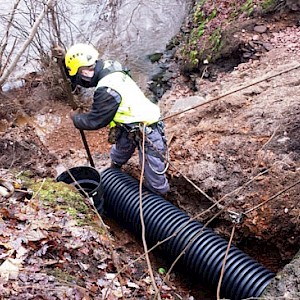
(87,181)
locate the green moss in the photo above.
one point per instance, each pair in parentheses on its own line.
(61,275)
(247,7)
(206,40)
(191,51)
(25,176)
(198,15)
(60,195)
(216,40)
(49,191)
(238,9)
(155,57)
(268,5)
(193,57)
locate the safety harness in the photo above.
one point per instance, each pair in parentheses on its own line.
(135,132)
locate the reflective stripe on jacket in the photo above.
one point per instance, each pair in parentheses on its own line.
(135,107)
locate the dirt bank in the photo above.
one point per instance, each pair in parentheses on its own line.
(243,149)
(250,134)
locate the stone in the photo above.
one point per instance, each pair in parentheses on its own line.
(260,28)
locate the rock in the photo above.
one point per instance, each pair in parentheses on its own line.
(293,4)
(268,46)
(186,103)
(155,57)
(286,281)
(247,54)
(260,28)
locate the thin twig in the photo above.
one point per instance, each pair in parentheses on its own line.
(31,35)
(190,242)
(54,286)
(269,140)
(197,187)
(238,189)
(103,225)
(185,177)
(36,193)
(14,155)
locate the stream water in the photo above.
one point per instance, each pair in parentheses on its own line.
(125,30)
(132,30)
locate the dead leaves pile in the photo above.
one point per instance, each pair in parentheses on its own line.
(45,254)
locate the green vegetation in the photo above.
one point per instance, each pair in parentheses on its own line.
(268,5)
(200,20)
(247,7)
(49,191)
(206,38)
(216,40)
(60,195)
(62,275)
(238,9)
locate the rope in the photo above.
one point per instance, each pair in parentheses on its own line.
(145,246)
(232,92)
(224,262)
(168,162)
(233,214)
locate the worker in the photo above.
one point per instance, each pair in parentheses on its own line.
(120,103)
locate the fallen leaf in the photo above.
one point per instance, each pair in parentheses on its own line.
(10,268)
(110,276)
(7,253)
(21,252)
(35,235)
(83,266)
(132,285)
(118,293)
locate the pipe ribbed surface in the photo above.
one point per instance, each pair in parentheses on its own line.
(243,276)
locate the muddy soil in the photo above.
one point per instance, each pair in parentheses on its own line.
(242,149)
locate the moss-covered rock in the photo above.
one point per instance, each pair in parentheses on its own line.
(60,195)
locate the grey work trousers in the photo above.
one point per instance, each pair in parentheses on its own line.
(125,146)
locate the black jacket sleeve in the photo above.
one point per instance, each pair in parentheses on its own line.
(104,107)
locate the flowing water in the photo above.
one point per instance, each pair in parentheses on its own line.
(126,30)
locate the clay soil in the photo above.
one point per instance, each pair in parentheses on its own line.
(242,149)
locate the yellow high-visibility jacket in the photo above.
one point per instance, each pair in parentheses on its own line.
(134,107)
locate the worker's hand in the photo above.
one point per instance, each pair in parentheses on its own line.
(57,51)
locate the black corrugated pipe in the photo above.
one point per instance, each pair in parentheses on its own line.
(243,276)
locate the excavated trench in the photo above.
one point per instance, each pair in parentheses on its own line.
(273,254)
(199,249)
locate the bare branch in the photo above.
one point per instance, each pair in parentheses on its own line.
(9,24)
(34,29)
